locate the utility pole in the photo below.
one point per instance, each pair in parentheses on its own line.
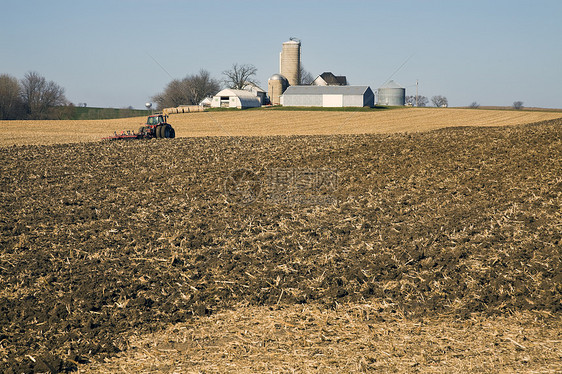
(417,84)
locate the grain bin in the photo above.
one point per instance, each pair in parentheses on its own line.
(391,94)
(290,61)
(276,85)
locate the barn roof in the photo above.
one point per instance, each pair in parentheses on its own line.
(252,87)
(239,93)
(326,90)
(332,79)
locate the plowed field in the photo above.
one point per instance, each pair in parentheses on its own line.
(102,241)
(271,122)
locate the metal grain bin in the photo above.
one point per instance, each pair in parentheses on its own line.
(391,94)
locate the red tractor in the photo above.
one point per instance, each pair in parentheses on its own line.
(156,127)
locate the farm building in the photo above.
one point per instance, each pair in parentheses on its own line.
(328,96)
(329,79)
(290,61)
(240,99)
(206,102)
(276,85)
(391,94)
(257,91)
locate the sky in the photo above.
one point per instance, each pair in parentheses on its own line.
(120,53)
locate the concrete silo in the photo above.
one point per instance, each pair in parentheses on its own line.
(276,85)
(290,61)
(391,94)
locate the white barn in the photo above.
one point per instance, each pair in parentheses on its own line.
(240,99)
(257,91)
(328,96)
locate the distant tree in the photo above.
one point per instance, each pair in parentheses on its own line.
(202,85)
(517,105)
(240,75)
(188,91)
(11,105)
(173,95)
(306,77)
(439,101)
(422,100)
(40,96)
(474,105)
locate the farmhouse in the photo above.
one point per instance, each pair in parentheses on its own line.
(328,96)
(240,99)
(329,79)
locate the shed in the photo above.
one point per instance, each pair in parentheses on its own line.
(240,99)
(206,102)
(328,96)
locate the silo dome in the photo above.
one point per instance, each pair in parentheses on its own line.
(391,94)
(276,85)
(277,77)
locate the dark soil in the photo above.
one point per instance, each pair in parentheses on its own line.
(101,239)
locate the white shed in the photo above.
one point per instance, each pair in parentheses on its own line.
(240,99)
(328,96)
(206,102)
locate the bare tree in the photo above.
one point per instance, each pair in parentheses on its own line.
(39,96)
(306,77)
(201,85)
(440,101)
(188,91)
(474,105)
(240,76)
(11,106)
(421,100)
(517,105)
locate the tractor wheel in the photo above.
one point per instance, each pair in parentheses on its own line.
(166,131)
(142,131)
(158,131)
(172,132)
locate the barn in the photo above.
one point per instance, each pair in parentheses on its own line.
(240,99)
(328,96)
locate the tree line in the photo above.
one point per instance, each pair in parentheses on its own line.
(422,101)
(32,97)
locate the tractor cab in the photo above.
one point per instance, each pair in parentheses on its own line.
(156,119)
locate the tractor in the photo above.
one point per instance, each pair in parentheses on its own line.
(156,127)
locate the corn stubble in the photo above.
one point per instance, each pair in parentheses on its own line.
(267,123)
(442,253)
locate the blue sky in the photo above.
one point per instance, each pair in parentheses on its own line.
(103,52)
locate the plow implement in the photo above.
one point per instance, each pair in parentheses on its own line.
(156,127)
